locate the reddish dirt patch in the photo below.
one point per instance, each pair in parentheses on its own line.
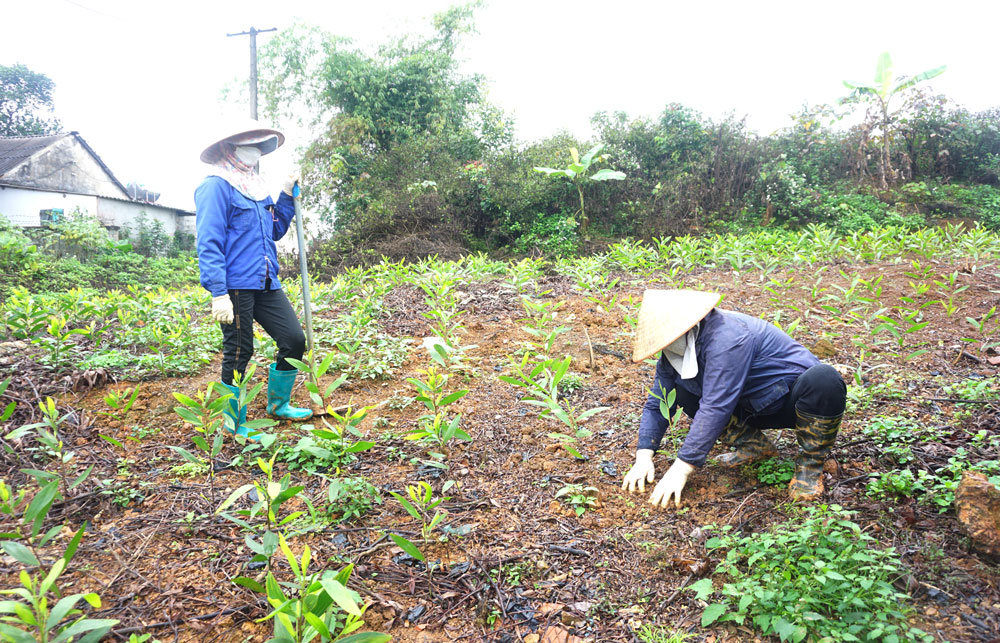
(168,558)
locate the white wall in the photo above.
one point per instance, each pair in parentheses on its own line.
(21,206)
(124,213)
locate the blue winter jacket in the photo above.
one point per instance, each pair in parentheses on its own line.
(236,237)
(743,362)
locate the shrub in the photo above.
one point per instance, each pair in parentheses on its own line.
(552,235)
(314,454)
(349,498)
(983,201)
(78,234)
(147,237)
(817,577)
(788,195)
(109,270)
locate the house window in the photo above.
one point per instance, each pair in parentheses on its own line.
(51,215)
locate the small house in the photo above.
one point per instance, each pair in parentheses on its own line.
(44,177)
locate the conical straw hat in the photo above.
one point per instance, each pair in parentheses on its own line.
(665,315)
(247,132)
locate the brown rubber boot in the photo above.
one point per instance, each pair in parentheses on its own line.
(815,435)
(751,444)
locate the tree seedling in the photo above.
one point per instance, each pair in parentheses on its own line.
(268,495)
(120,402)
(579,497)
(317,606)
(542,386)
(314,371)
(577,174)
(46,433)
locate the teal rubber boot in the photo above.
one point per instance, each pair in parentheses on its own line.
(236,413)
(279,395)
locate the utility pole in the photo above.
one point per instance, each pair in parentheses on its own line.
(253,64)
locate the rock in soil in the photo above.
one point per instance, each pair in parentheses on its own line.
(977,506)
(824,349)
(414,614)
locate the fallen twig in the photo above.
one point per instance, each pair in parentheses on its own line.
(677,591)
(590,346)
(962,353)
(737,510)
(854,479)
(125,631)
(569,550)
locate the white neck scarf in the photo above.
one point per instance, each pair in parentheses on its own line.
(681,354)
(240,175)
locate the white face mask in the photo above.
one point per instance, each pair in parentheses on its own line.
(678,346)
(248,154)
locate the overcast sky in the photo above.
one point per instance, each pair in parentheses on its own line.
(140,80)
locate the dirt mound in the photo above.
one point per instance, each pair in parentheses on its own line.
(419,245)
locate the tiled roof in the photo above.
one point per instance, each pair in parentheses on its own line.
(16,149)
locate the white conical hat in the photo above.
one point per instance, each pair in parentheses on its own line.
(249,132)
(665,315)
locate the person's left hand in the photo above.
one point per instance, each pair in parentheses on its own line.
(289,185)
(671,484)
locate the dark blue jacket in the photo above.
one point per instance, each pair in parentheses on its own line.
(236,237)
(743,362)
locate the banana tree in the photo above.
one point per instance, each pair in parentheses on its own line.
(879,93)
(577,173)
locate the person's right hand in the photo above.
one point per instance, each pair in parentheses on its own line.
(641,472)
(288,187)
(222,309)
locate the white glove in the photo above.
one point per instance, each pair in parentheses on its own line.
(289,184)
(222,309)
(641,472)
(671,484)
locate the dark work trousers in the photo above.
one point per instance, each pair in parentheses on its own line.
(275,314)
(819,391)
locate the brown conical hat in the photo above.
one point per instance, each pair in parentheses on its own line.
(248,132)
(665,315)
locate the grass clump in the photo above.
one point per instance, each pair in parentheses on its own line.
(659,634)
(816,577)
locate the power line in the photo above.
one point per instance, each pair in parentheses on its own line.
(253,64)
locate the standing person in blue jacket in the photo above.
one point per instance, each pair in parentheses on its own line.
(237,224)
(734,375)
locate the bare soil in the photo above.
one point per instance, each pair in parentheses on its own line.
(528,562)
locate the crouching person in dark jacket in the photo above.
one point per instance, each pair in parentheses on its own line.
(734,376)
(238,223)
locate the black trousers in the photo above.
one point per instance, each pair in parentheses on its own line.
(820,391)
(272,310)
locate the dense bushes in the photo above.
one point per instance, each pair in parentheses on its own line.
(684,173)
(411,155)
(148,237)
(104,266)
